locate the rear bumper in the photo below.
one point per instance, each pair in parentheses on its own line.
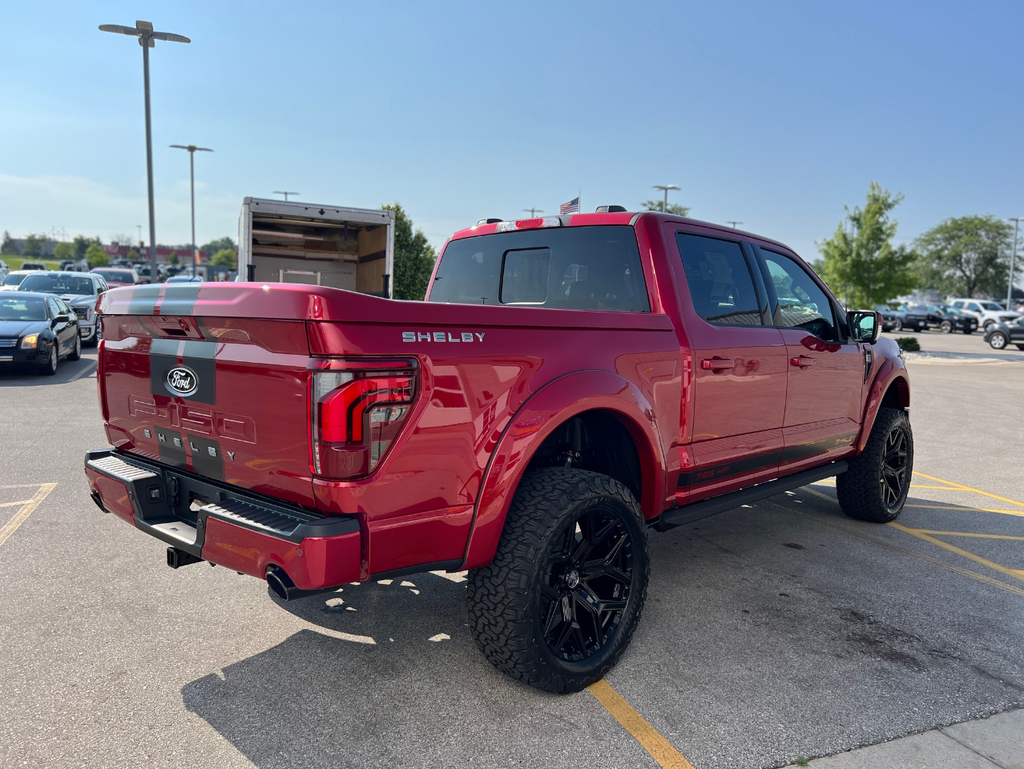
(223,525)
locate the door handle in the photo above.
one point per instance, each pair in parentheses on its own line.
(716,364)
(803,361)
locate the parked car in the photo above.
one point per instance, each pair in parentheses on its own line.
(987,312)
(117,276)
(999,335)
(34,266)
(79,290)
(888,316)
(71,265)
(184,279)
(908,319)
(37,330)
(948,319)
(13,279)
(4,269)
(530,421)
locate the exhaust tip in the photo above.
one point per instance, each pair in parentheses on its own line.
(279,582)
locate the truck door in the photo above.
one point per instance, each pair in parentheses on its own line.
(826,370)
(739,364)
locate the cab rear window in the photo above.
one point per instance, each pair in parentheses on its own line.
(570,268)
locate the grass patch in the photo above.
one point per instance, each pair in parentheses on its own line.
(802,762)
(909,344)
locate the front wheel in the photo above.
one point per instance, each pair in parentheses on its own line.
(875,486)
(997,340)
(558,605)
(898,325)
(50,367)
(988,324)
(76,352)
(946,327)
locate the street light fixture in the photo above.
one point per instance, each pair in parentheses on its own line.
(143,30)
(734,224)
(286,193)
(665,188)
(192,149)
(534,211)
(1013,257)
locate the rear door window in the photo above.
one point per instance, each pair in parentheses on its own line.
(567,268)
(720,281)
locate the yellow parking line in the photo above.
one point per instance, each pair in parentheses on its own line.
(961,487)
(19,517)
(832,482)
(966,509)
(649,738)
(968,534)
(1015,573)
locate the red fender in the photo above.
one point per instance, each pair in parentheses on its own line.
(893,372)
(551,406)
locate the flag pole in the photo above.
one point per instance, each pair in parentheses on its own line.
(579,201)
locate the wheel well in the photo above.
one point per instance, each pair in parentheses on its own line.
(595,441)
(897,396)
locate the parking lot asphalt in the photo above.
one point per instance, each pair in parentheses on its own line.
(772,633)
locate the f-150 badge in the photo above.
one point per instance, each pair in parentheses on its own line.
(442,336)
(182,381)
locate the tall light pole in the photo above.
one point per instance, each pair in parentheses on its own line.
(192,149)
(734,224)
(1013,257)
(286,193)
(147,39)
(665,188)
(534,211)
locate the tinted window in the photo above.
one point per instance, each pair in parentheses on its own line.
(14,307)
(14,280)
(802,303)
(119,276)
(58,284)
(567,268)
(719,280)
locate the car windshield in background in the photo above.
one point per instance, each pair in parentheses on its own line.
(14,280)
(117,276)
(568,268)
(58,284)
(14,307)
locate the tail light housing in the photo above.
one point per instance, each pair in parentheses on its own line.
(356,414)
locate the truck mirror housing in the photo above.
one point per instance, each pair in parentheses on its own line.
(864,325)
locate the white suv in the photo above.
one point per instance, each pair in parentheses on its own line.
(985,311)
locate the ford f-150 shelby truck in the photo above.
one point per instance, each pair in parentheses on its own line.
(568,384)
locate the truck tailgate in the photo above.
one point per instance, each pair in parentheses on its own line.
(223,397)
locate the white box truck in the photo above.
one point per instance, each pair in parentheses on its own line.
(292,242)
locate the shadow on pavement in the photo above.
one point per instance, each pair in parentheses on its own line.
(67,371)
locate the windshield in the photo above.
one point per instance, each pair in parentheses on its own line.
(58,284)
(118,276)
(15,307)
(14,280)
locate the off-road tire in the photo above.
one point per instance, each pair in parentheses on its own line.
(862,488)
(505,597)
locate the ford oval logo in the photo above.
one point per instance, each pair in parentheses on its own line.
(182,380)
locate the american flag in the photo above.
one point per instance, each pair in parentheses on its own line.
(572,207)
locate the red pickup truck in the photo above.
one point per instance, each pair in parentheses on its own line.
(569,384)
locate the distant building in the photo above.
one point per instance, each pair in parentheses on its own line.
(163,253)
(45,247)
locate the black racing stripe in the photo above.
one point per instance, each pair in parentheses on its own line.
(163,356)
(199,356)
(144,299)
(194,349)
(814,448)
(179,299)
(172,447)
(684,480)
(206,457)
(742,466)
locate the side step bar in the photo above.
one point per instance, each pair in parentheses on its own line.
(678,516)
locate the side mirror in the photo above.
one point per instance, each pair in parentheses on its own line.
(864,325)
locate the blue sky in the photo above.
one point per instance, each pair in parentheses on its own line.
(776,114)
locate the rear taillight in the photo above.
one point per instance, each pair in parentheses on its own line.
(357,414)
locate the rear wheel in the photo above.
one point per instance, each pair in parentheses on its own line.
(875,486)
(997,340)
(946,327)
(558,605)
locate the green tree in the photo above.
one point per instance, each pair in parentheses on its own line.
(966,256)
(81,244)
(226,257)
(659,205)
(218,245)
(133,255)
(63,251)
(96,256)
(33,246)
(862,265)
(175,259)
(414,258)
(7,246)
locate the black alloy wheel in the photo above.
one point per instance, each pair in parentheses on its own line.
(946,327)
(586,584)
(895,478)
